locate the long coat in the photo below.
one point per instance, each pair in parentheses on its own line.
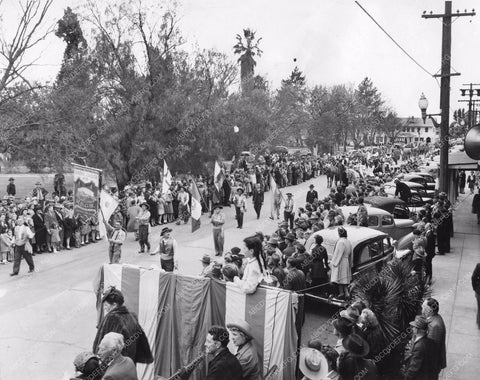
(422,360)
(224,366)
(248,358)
(342,262)
(437,333)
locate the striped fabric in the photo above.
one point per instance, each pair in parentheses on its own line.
(176,312)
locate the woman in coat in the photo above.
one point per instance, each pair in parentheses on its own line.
(342,263)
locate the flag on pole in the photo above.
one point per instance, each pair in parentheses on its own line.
(276,197)
(219,176)
(196,207)
(315,150)
(167,178)
(108,205)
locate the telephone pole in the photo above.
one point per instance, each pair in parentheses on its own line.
(471,102)
(445,86)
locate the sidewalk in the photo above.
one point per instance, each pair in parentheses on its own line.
(453,290)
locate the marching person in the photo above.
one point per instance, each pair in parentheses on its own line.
(277,202)
(21,235)
(258,198)
(222,364)
(183,209)
(116,237)
(241,335)
(143,226)
(218,220)
(240,203)
(288,213)
(167,247)
(118,319)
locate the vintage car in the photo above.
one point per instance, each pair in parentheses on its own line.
(419,197)
(420,179)
(429,178)
(382,220)
(371,249)
(394,206)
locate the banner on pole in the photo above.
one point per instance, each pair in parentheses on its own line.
(86,191)
(108,205)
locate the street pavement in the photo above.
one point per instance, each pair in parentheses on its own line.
(48,317)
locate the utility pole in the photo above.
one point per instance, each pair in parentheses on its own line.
(471,102)
(445,86)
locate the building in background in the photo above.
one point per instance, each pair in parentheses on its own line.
(415,131)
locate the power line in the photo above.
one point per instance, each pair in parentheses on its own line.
(395,42)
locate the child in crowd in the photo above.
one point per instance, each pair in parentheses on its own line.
(6,241)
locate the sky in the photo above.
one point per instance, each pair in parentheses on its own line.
(333,42)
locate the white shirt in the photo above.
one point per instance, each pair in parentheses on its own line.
(252,277)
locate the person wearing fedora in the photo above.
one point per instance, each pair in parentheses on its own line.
(352,364)
(207,265)
(116,238)
(167,247)
(312,195)
(288,213)
(313,364)
(11,190)
(143,227)
(241,335)
(436,329)
(218,220)
(40,193)
(258,198)
(422,358)
(240,203)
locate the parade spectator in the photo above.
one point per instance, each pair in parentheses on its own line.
(295,278)
(118,319)
(276,269)
(342,263)
(319,266)
(461,181)
(132,222)
(429,251)
(87,366)
(476,205)
(341,329)
(39,193)
(116,366)
(256,267)
(183,206)
(372,333)
(402,190)
(11,190)
(476,289)
(288,213)
(222,365)
(290,248)
(167,247)
(332,357)
(436,330)
(471,180)
(312,195)
(258,198)
(422,357)
(229,271)
(207,265)
(6,242)
(352,363)
(362,214)
(241,335)
(312,364)
(217,221)
(419,254)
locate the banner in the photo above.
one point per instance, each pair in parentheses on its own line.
(86,191)
(108,205)
(219,176)
(167,178)
(196,207)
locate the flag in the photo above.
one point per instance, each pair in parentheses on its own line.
(167,178)
(108,205)
(219,176)
(196,207)
(315,150)
(276,196)
(176,311)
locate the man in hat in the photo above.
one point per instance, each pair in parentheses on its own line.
(288,213)
(40,193)
(241,335)
(183,198)
(143,227)
(436,330)
(116,238)
(240,203)
(22,233)
(207,265)
(218,220)
(312,195)
(11,190)
(313,364)
(402,190)
(352,363)
(222,363)
(422,362)
(258,198)
(167,247)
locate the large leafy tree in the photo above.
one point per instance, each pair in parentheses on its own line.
(247,47)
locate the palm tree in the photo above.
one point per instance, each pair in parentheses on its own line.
(395,296)
(247,51)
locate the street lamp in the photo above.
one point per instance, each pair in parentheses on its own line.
(423,105)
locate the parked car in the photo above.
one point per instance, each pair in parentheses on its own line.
(383,221)
(418,199)
(371,249)
(416,178)
(394,206)
(429,178)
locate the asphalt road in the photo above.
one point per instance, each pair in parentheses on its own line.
(48,317)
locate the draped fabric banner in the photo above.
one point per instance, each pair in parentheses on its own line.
(176,312)
(86,193)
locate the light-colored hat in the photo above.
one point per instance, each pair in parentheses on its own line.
(313,364)
(242,326)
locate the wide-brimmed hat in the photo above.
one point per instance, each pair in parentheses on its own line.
(313,364)
(351,314)
(206,259)
(81,359)
(242,326)
(145,204)
(420,322)
(356,345)
(11,179)
(273,241)
(311,185)
(165,230)
(290,236)
(289,194)
(240,189)
(218,205)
